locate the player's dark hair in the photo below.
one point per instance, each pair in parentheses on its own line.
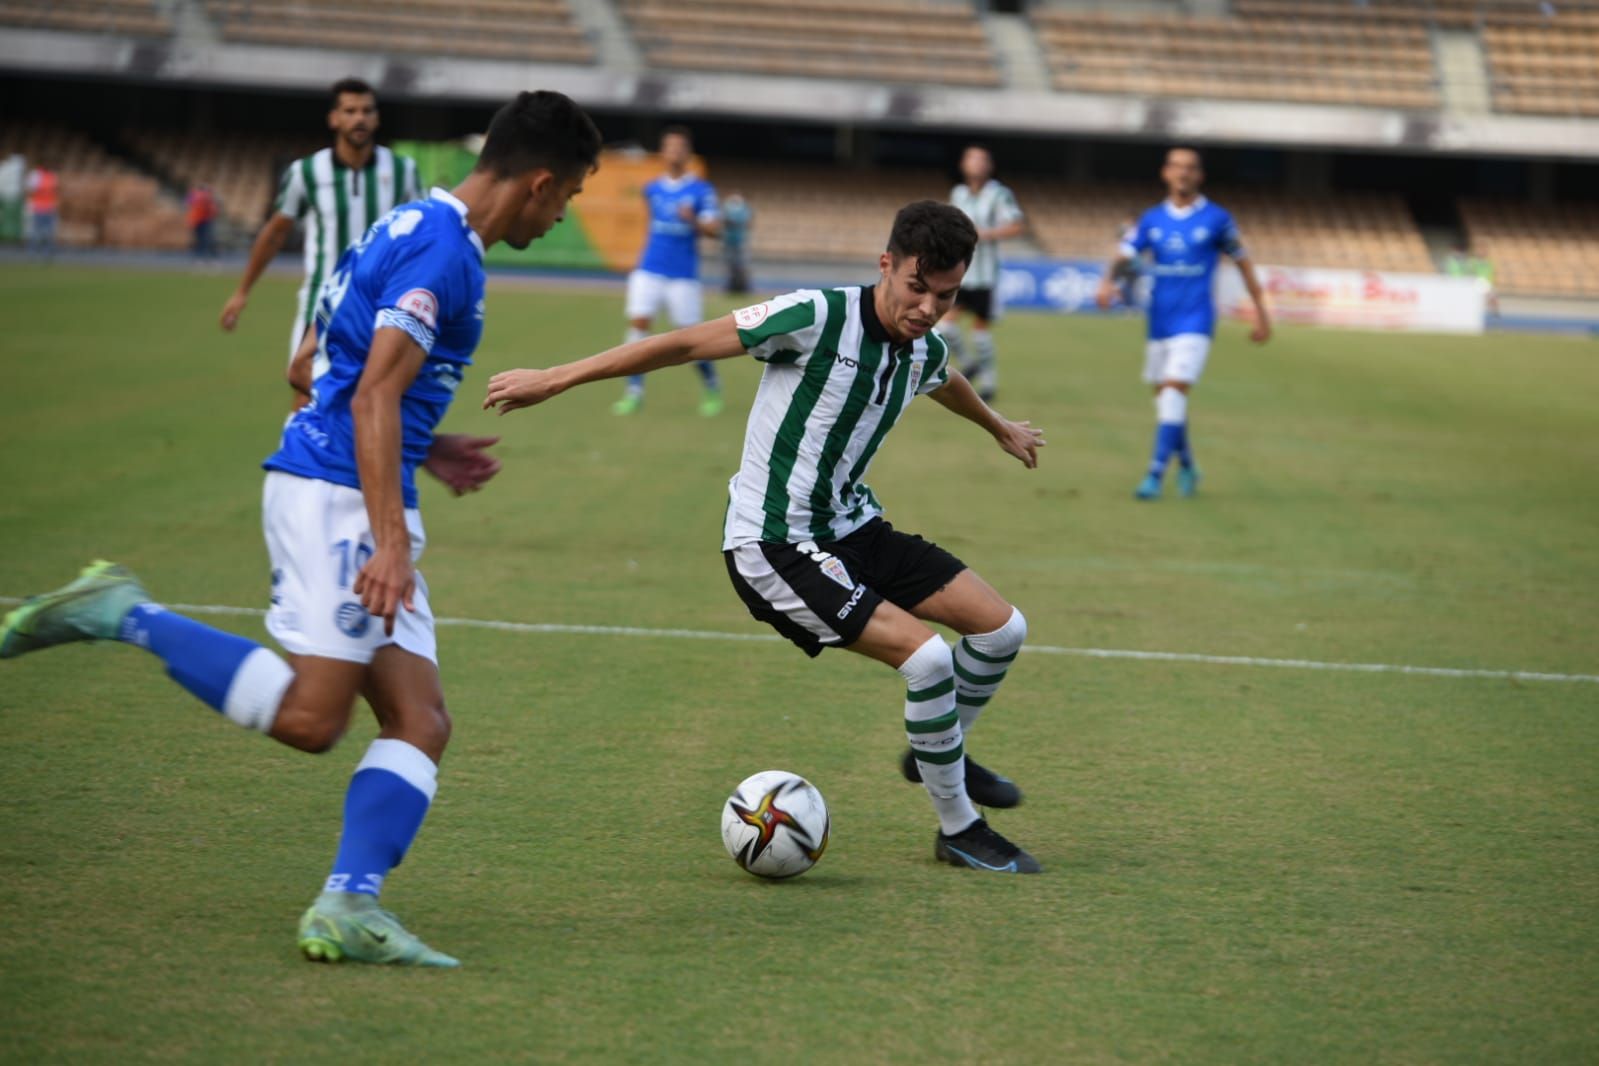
(349,85)
(540,130)
(938,235)
(1198,157)
(678,130)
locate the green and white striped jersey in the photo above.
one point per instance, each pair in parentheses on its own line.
(990,207)
(834,385)
(338,203)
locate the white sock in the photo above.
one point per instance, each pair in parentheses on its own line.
(934,731)
(257,689)
(985,370)
(1171,406)
(981,662)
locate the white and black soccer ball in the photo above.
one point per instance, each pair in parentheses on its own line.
(775,824)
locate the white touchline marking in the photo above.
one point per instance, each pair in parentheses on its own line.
(561,628)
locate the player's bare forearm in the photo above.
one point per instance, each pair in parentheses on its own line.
(1107,282)
(392,364)
(1003,233)
(1257,295)
(268,243)
(299,373)
(1018,439)
(716,339)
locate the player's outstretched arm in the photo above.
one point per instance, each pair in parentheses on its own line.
(716,339)
(388,580)
(1019,439)
(302,367)
(462,461)
(268,243)
(1262,331)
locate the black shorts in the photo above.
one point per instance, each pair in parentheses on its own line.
(821,595)
(979,302)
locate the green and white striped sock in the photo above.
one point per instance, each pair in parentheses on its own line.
(981,662)
(934,730)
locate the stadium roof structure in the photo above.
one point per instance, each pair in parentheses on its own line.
(176,61)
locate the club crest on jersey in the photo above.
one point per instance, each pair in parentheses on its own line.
(1201,233)
(422,305)
(352,619)
(750,317)
(916,377)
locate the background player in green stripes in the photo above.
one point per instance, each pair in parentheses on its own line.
(805,542)
(338,193)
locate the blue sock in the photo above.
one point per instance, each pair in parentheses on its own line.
(1185,454)
(1167,437)
(707,371)
(232,674)
(383,809)
(635,383)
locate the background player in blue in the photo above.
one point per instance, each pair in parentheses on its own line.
(682,208)
(399,321)
(1184,237)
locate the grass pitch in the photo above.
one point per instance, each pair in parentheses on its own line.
(1245,864)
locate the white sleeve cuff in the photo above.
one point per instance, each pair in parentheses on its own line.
(395,318)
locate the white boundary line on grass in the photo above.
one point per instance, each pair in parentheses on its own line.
(1036,649)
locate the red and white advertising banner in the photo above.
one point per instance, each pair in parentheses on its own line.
(1360,299)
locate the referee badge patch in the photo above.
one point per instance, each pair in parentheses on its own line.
(750,317)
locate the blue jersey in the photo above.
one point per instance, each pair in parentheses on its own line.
(1184,246)
(673,249)
(419,269)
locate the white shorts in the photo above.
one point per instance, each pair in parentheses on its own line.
(647,293)
(1180,358)
(318,538)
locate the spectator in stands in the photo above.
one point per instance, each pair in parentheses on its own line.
(1461,263)
(202,207)
(13,186)
(737,216)
(337,192)
(993,210)
(44,209)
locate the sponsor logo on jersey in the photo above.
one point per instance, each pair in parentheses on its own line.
(352,619)
(422,305)
(750,317)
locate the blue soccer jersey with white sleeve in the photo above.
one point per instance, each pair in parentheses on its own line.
(419,269)
(1184,246)
(672,250)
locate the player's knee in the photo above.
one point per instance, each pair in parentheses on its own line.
(1180,386)
(311,733)
(1013,634)
(424,723)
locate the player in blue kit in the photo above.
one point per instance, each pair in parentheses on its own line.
(398,322)
(682,208)
(1184,238)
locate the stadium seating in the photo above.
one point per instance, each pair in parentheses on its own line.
(129,18)
(516,30)
(240,168)
(1549,68)
(103,200)
(824,214)
(876,40)
(1356,61)
(1551,250)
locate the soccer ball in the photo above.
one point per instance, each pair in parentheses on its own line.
(775,824)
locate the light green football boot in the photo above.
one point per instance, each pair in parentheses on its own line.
(631,403)
(90,608)
(351,925)
(711,403)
